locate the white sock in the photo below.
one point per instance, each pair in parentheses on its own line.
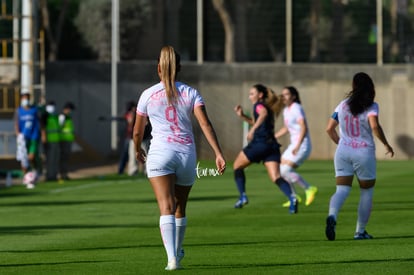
(299,180)
(289,173)
(180,225)
(338,199)
(364,208)
(285,173)
(167,228)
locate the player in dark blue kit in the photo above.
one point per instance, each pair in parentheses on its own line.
(262,144)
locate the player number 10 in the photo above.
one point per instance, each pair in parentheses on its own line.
(352,126)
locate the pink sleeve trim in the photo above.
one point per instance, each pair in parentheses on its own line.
(259,107)
(141,114)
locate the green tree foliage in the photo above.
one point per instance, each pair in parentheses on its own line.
(84,32)
(323,35)
(94,24)
(63,41)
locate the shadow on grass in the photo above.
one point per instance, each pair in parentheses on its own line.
(295,242)
(53,263)
(210,198)
(394,202)
(84,248)
(187,245)
(76,202)
(33,229)
(256,265)
(19,194)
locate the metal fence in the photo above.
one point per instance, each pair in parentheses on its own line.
(324,31)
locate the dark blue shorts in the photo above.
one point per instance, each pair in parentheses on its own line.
(262,151)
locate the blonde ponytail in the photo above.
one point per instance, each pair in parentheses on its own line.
(169,66)
(274,102)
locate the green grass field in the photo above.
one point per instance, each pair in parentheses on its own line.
(109,225)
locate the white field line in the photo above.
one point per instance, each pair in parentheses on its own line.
(91,185)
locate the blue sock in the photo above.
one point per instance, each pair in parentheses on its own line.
(240,179)
(284,186)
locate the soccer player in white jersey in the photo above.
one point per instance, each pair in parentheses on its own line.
(300,145)
(357,117)
(171,160)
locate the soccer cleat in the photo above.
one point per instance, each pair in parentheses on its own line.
(362,236)
(330,228)
(173,265)
(241,202)
(310,194)
(180,255)
(30,186)
(293,207)
(287,204)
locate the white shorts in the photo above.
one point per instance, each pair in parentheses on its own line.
(166,162)
(361,162)
(304,152)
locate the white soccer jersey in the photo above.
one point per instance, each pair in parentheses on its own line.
(291,115)
(355,131)
(171,124)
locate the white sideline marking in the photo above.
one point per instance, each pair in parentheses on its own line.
(91,185)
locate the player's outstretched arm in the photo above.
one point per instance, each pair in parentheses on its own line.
(208,131)
(379,133)
(239,111)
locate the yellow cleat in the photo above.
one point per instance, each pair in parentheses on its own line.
(287,204)
(310,194)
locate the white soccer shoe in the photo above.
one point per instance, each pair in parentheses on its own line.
(30,186)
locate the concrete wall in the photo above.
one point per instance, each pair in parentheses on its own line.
(223,86)
(8,72)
